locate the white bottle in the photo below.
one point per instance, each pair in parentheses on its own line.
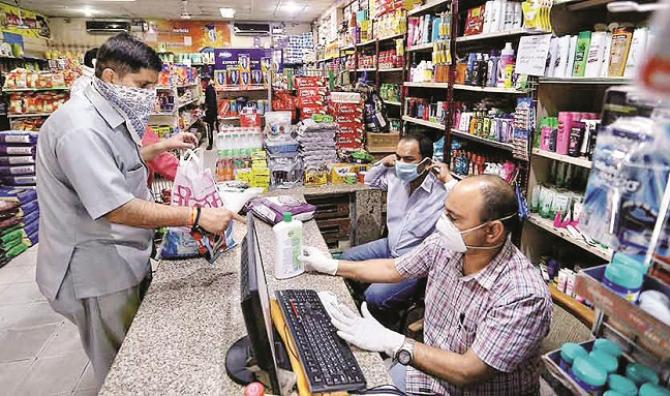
(288,242)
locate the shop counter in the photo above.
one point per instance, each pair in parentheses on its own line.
(191,315)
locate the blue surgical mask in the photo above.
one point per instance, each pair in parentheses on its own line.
(407,172)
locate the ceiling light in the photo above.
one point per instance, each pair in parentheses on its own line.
(227,12)
(292,8)
(88,11)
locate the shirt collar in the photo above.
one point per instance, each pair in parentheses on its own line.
(428,182)
(490,273)
(104,108)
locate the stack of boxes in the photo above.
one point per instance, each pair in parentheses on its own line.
(260,173)
(311,96)
(347,110)
(17,158)
(19,222)
(317,148)
(299,49)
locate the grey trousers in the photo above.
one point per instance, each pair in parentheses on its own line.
(102,321)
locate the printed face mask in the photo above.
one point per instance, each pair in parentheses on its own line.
(407,172)
(134,104)
(453,237)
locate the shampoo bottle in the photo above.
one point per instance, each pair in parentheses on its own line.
(506,58)
(637,50)
(581,53)
(288,242)
(621,39)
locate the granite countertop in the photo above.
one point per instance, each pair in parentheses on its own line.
(191,315)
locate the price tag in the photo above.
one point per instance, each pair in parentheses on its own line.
(531,58)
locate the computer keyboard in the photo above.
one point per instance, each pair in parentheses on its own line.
(328,361)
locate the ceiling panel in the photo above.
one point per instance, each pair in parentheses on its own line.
(258,10)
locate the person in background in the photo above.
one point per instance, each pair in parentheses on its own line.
(87,72)
(487,307)
(416,188)
(211,110)
(97,217)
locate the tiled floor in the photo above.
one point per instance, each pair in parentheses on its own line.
(40,351)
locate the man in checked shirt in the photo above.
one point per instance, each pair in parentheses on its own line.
(487,307)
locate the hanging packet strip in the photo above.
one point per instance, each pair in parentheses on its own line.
(18,137)
(631,165)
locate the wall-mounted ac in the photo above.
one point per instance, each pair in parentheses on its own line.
(252,29)
(107,26)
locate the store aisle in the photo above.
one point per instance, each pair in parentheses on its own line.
(40,352)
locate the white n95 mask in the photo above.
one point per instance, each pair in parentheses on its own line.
(453,237)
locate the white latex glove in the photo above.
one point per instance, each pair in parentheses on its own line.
(365,331)
(317,261)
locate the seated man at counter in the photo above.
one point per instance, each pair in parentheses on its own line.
(487,307)
(416,188)
(97,214)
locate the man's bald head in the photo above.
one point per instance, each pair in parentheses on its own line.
(497,199)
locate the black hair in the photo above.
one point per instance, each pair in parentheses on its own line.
(124,53)
(89,56)
(424,142)
(499,201)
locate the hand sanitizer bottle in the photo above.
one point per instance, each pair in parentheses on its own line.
(288,242)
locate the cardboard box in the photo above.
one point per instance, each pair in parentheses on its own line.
(338,171)
(382,142)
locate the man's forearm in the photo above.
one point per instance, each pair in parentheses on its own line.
(370,271)
(457,369)
(145,214)
(151,151)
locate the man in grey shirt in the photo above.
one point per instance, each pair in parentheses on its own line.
(97,216)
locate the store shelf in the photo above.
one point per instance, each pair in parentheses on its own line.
(165,114)
(495,35)
(421,47)
(233,118)
(190,102)
(478,139)
(194,84)
(366,70)
(392,103)
(426,7)
(349,48)
(242,89)
(647,331)
(366,43)
(394,69)
(28,115)
(586,81)
(35,89)
(579,161)
(548,225)
(577,309)
(423,122)
(427,85)
(395,36)
(473,88)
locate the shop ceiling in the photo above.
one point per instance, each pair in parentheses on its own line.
(246,10)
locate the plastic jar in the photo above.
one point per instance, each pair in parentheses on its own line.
(588,374)
(624,281)
(604,360)
(622,385)
(605,345)
(569,351)
(641,374)
(653,390)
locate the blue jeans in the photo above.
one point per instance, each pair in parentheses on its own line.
(382,297)
(398,372)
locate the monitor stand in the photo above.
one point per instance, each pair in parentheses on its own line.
(240,361)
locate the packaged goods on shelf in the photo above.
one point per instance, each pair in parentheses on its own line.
(390,59)
(495,16)
(165,102)
(232,108)
(317,149)
(17,153)
(311,96)
(177,75)
(35,102)
(390,92)
(367,61)
(347,110)
(470,163)
(493,69)
(22,79)
(423,109)
(571,133)
(626,184)
(524,126)
(195,59)
(615,53)
(426,29)
(391,19)
(296,48)
(492,124)
(32,124)
(236,149)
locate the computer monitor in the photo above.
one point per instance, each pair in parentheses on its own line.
(259,347)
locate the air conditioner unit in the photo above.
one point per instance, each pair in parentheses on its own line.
(252,29)
(107,26)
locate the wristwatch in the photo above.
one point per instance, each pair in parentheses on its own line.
(405,354)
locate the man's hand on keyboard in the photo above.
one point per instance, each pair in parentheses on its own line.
(365,331)
(317,261)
